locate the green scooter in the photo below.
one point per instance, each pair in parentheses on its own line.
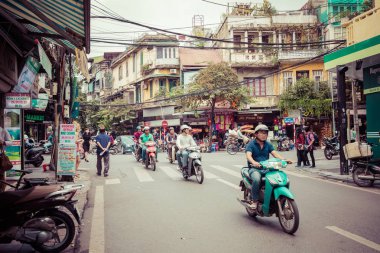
(275,196)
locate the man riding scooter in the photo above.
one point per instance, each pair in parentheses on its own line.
(145,137)
(184,141)
(170,139)
(258,150)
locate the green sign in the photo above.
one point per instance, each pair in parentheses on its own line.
(34,118)
(371,90)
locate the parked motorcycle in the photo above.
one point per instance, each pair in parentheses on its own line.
(365,170)
(331,147)
(195,164)
(33,155)
(275,196)
(34,216)
(172,150)
(27,182)
(150,159)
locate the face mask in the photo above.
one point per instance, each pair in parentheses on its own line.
(102,130)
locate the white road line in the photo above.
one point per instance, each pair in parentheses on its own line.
(354,237)
(97,243)
(170,172)
(227,171)
(228,183)
(112,181)
(142,174)
(209,175)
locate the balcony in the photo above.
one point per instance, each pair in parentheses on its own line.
(265,102)
(297,54)
(167,61)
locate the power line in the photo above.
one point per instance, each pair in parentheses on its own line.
(223,87)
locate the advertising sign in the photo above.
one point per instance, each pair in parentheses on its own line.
(12,124)
(27,76)
(17,101)
(67,134)
(41,102)
(66,159)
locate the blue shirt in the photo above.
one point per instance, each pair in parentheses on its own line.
(103,139)
(258,154)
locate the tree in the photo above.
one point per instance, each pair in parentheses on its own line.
(216,83)
(314,100)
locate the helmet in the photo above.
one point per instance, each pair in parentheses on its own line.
(138,128)
(183,127)
(261,127)
(146,128)
(171,128)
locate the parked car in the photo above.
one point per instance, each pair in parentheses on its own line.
(126,144)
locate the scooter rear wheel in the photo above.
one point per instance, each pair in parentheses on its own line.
(358,171)
(328,153)
(289,219)
(232,149)
(247,197)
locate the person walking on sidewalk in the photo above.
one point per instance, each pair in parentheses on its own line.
(310,147)
(300,145)
(86,143)
(104,142)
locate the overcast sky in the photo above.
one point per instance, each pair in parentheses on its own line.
(159,13)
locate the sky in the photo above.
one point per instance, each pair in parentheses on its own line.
(159,13)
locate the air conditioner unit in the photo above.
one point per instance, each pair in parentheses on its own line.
(173,71)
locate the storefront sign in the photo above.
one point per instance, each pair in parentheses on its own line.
(371,90)
(66,159)
(39,118)
(289,120)
(45,62)
(41,102)
(12,124)
(17,101)
(67,134)
(250,118)
(27,76)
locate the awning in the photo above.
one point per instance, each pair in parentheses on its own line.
(353,53)
(66,22)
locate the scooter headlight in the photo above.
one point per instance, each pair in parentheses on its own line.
(272,181)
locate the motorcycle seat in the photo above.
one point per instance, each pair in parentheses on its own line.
(8,198)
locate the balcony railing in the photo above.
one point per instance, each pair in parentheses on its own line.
(168,61)
(297,54)
(238,57)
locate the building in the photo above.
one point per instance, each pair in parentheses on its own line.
(142,72)
(362,59)
(262,46)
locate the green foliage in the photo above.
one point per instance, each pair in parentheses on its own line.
(304,94)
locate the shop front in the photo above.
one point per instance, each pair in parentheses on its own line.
(37,125)
(268,118)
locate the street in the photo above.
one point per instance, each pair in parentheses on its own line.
(139,210)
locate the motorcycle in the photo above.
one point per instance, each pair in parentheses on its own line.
(150,159)
(194,163)
(172,151)
(365,170)
(27,182)
(275,196)
(331,147)
(35,216)
(114,150)
(283,144)
(137,153)
(33,155)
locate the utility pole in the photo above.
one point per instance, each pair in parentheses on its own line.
(355,109)
(342,118)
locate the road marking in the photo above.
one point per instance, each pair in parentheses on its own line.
(97,243)
(142,175)
(210,175)
(354,237)
(239,166)
(113,181)
(170,172)
(227,171)
(228,183)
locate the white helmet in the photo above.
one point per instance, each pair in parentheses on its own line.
(146,128)
(183,127)
(261,127)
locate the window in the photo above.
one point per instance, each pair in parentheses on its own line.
(256,86)
(251,47)
(126,69)
(134,63)
(174,53)
(151,88)
(335,10)
(138,93)
(302,74)
(172,84)
(317,75)
(160,53)
(237,41)
(288,79)
(120,72)
(141,58)
(162,84)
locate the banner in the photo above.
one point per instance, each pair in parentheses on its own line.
(17,101)
(40,103)
(12,124)
(27,76)
(67,134)
(66,150)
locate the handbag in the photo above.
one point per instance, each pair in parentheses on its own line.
(5,163)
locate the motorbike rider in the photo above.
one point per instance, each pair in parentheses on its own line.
(184,141)
(145,137)
(257,151)
(136,138)
(170,137)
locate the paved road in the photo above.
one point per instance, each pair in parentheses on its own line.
(138,210)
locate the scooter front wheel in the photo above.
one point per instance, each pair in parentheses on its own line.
(328,153)
(199,173)
(153,163)
(288,215)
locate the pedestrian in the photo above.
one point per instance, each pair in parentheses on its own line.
(79,144)
(310,140)
(306,150)
(103,142)
(300,145)
(86,143)
(5,140)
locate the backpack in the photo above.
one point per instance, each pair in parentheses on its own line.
(316,140)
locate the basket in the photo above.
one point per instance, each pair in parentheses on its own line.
(356,150)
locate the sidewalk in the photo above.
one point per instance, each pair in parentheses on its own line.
(82,177)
